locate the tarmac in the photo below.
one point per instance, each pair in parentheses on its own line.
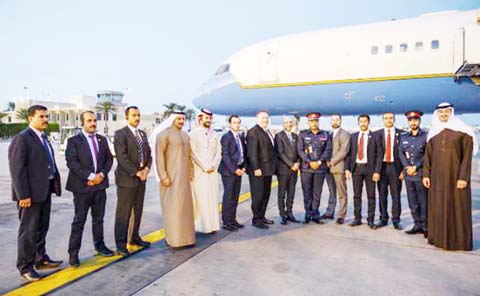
(295,259)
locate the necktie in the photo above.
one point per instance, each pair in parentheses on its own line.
(360,148)
(141,147)
(51,164)
(95,147)
(239,148)
(388,154)
(290,138)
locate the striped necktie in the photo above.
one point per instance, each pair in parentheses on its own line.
(141,148)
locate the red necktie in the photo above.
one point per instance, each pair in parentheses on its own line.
(360,148)
(388,154)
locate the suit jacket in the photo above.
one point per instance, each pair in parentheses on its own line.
(341,147)
(230,154)
(127,154)
(374,157)
(380,134)
(80,162)
(260,152)
(286,152)
(29,170)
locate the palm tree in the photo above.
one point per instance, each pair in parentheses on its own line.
(172,107)
(10,106)
(22,114)
(189,116)
(106,108)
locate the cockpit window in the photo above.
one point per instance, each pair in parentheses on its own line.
(222,69)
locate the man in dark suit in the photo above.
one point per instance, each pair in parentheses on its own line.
(287,169)
(364,162)
(261,167)
(134,159)
(232,167)
(35,177)
(89,160)
(388,140)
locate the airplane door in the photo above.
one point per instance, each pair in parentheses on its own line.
(269,63)
(472,44)
(458,49)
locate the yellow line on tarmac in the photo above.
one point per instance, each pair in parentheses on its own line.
(69,274)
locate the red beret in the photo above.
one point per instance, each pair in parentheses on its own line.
(313,116)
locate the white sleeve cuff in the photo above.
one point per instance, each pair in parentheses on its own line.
(91,177)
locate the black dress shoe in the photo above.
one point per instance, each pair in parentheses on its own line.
(291,218)
(356,223)
(31,276)
(229,227)
(123,252)
(381,224)
(325,216)
(317,220)
(47,263)
(397,226)
(260,225)
(414,230)
(238,225)
(141,243)
(104,251)
(425,234)
(283,221)
(74,261)
(372,225)
(267,221)
(307,220)
(340,221)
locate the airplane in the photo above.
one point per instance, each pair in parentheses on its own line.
(393,66)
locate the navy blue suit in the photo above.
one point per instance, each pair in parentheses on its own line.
(411,152)
(231,161)
(81,165)
(30,172)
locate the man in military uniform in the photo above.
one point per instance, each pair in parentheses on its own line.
(411,151)
(314,146)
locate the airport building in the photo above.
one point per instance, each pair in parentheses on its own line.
(67,113)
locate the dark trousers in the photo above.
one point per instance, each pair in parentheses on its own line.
(83,202)
(332,197)
(312,184)
(32,233)
(418,202)
(286,185)
(260,188)
(231,192)
(360,176)
(389,180)
(130,201)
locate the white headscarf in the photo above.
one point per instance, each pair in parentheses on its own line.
(454,123)
(153,139)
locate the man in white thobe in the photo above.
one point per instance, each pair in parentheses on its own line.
(206,154)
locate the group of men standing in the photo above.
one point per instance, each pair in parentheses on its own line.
(436,168)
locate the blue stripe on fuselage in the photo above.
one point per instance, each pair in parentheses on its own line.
(346,98)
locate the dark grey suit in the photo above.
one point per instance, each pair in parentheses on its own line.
(29,169)
(260,155)
(286,150)
(130,189)
(81,165)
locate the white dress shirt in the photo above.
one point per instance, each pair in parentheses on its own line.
(335,132)
(365,146)
(39,135)
(92,152)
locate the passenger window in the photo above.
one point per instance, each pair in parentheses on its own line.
(374,50)
(419,46)
(403,47)
(388,49)
(435,44)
